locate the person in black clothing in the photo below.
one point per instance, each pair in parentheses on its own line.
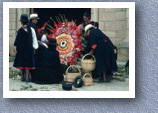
(103,49)
(48,67)
(26,43)
(127,64)
(33,23)
(87,20)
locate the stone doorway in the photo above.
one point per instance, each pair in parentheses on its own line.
(70,13)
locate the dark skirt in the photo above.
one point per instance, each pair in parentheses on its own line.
(24,61)
(105,59)
(47,75)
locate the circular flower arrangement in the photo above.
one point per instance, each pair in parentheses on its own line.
(68,36)
(65,48)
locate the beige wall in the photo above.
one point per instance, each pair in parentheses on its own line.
(12,29)
(14,25)
(114,22)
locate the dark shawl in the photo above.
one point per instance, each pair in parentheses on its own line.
(48,67)
(104,53)
(34,27)
(24,47)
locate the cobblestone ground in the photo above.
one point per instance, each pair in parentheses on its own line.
(119,83)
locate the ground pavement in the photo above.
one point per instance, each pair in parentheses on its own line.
(15,84)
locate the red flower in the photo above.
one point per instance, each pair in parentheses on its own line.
(39,30)
(76,55)
(71,26)
(79,42)
(60,24)
(74,27)
(53,31)
(56,25)
(50,36)
(73,61)
(66,24)
(80,53)
(78,34)
(79,46)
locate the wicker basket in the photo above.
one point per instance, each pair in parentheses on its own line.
(88,65)
(87,79)
(71,76)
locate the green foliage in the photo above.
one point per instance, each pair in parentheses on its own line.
(13,74)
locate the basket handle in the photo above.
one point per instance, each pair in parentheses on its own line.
(86,75)
(72,66)
(87,55)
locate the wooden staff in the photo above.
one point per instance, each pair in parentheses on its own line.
(61,17)
(57,19)
(65,18)
(75,21)
(53,20)
(50,26)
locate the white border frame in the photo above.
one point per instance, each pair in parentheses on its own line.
(68,94)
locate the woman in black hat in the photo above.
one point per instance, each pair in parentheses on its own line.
(25,43)
(48,67)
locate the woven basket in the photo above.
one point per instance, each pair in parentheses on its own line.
(87,79)
(71,76)
(88,65)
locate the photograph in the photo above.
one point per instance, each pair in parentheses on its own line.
(69,50)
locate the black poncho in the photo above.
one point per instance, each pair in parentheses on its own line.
(104,52)
(24,58)
(34,27)
(48,67)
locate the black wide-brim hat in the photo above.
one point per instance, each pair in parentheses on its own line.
(24,18)
(52,41)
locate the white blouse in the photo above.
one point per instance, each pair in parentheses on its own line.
(35,42)
(44,38)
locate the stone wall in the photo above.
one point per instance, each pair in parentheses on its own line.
(12,29)
(14,25)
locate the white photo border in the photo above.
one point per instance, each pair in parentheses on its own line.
(68,94)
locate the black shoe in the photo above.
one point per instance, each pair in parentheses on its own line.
(108,80)
(100,80)
(22,79)
(27,80)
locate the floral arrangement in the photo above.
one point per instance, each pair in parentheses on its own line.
(68,36)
